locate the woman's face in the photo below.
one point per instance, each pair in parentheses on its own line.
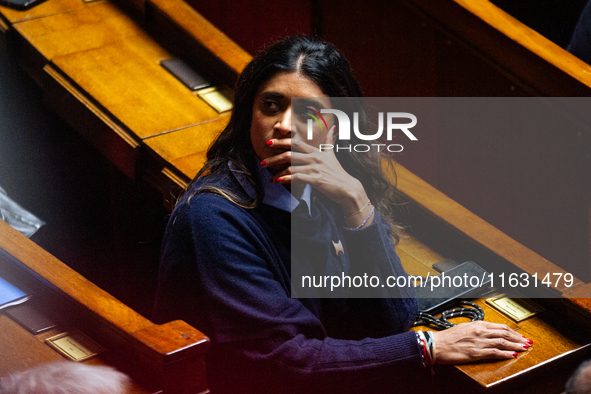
(272,112)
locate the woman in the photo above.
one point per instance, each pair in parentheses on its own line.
(226,258)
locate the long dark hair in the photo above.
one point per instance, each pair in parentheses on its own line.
(326,66)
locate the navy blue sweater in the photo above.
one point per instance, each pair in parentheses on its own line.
(226,271)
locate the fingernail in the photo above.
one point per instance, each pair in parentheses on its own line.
(263,163)
(514,354)
(279,180)
(530,341)
(269,142)
(271,180)
(525,346)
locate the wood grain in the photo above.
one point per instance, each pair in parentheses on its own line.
(86,293)
(113,65)
(476,36)
(44,9)
(178,334)
(419,250)
(529,39)
(550,344)
(92,26)
(185,149)
(69,281)
(413,266)
(579,299)
(154,354)
(22,351)
(15,343)
(128,81)
(59,78)
(203,32)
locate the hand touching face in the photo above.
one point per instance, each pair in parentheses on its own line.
(270,131)
(275,122)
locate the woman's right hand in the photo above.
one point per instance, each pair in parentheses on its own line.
(476,341)
(321,170)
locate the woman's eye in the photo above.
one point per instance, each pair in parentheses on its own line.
(270,106)
(305,111)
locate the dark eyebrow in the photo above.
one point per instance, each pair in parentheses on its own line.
(308,102)
(274,95)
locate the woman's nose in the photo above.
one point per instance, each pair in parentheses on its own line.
(284,124)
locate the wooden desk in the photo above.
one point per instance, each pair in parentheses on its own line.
(483,51)
(111,88)
(472,48)
(168,357)
(561,339)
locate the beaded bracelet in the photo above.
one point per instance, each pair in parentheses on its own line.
(419,341)
(430,345)
(427,345)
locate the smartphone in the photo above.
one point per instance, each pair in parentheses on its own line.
(20,4)
(184,73)
(467,280)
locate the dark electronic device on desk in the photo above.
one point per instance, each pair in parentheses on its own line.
(438,298)
(16,303)
(30,317)
(189,77)
(20,4)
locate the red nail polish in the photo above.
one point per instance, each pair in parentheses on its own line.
(279,180)
(525,346)
(514,354)
(530,341)
(269,142)
(263,162)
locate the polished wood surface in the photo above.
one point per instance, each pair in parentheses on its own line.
(185,149)
(480,50)
(553,339)
(15,342)
(42,10)
(203,32)
(153,355)
(472,48)
(99,70)
(551,344)
(558,339)
(80,29)
(510,52)
(157,103)
(529,39)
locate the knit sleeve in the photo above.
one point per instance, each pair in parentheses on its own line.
(221,273)
(371,251)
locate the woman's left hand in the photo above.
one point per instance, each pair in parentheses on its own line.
(476,341)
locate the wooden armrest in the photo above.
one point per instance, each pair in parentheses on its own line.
(168,356)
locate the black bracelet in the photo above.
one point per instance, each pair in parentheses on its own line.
(475,313)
